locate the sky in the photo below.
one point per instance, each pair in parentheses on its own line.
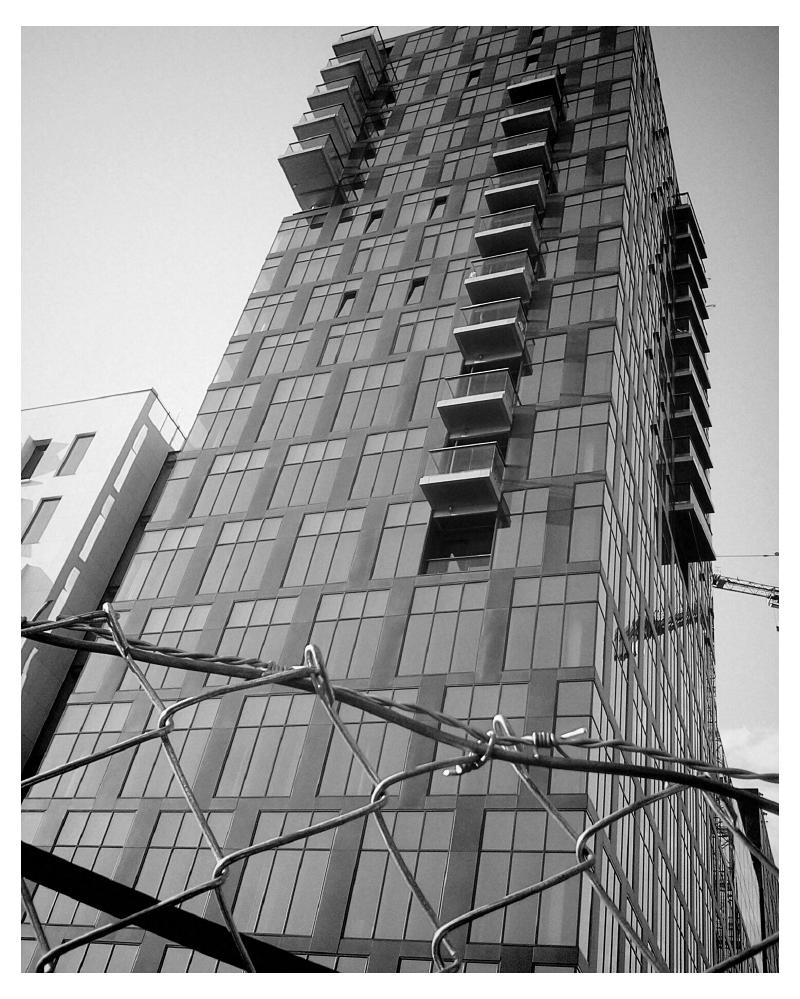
(151,192)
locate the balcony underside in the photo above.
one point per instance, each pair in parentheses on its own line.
(488,414)
(517,282)
(460,493)
(691,531)
(499,340)
(531,154)
(523,190)
(508,238)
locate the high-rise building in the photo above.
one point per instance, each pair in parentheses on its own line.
(459,441)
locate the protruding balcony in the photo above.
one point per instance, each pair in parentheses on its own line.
(530,116)
(685,221)
(686,382)
(690,526)
(481,405)
(368,40)
(689,303)
(508,231)
(545,83)
(530,149)
(518,189)
(690,324)
(688,349)
(493,279)
(492,333)
(688,422)
(313,168)
(356,67)
(328,121)
(347,93)
(462,480)
(684,272)
(688,467)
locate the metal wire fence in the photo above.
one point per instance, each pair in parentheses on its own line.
(100,632)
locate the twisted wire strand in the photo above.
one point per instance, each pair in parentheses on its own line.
(311,676)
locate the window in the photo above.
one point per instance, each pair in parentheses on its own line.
(150,774)
(240,556)
(280,352)
(608,131)
(177,628)
(580,301)
(386,747)
(231,483)
(82,729)
(266,276)
(100,958)
(562,618)
(390,149)
(281,889)
(495,45)
(608,68)
(157,568)
(522,542)
(40,519)
(93,840)
(257,629)
(36,455)
(485,99)
(431,384)
(471,163)
(265,750)
(324,548)
(375,252)
(424,329)
(422,206)
(435,62)
(181,960)
(178,857)
(222,417)
(426,113)
(297,232)
(401,540)
(425,40)
(308,473)
(615,166)
(446,238)
(399,288)
(445,137)
(512,848)
(422,966)
(595,208)
(587,519)
(348,629)
(262,314)
(230,359)
(558,257)
(358,219)
(75,454)
(353,341)
(478,705)
(444,629)
(97,667)
(607,254)
(389,464)
(314,265)
(294,407)
(381,904)
(173,488)
(411,91)
(512,65)
(490,128)
(453,284)
(403,177)
(369,396)
(575,49)
(570,440)
(334,300)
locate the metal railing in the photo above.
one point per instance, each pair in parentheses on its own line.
(503,262)
(457,563)
(515,216)
(481,382)
(494,312)
(467,458)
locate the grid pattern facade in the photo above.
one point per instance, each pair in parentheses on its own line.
(295,514)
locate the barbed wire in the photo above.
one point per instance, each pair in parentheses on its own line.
(477,748)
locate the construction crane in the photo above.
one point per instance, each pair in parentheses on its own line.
(770,593)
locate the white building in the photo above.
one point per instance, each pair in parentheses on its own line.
(87,470)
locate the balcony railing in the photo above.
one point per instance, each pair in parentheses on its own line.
(312,167)
(530,115)
(328,121)
(688,467)
(491,333)
(457,563)
(368,40)
(481,405)
(504,232)
(517,189)
(690,526)
(544,83)
(688,350)
(356,67)
(519,151)
(460,480)
(683,210)
(347,92)
(492,279)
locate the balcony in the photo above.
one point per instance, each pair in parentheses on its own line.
(508,231)
(347,93)
(463,480)
(687,422)
(686,382)
(518,189)
(545,83)
(355,67)
(313,168)
(530,149)
(492,333)
(334,122)
(531,115)
(684,272)
(689,304)
(690,526)
(493,279)
(481,405)
(688,467)
(366,40)
(686,224)
(690,324)
(455,564)
(688,350)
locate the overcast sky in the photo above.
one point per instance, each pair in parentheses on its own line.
(151,193)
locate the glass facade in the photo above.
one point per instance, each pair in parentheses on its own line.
(295,513)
